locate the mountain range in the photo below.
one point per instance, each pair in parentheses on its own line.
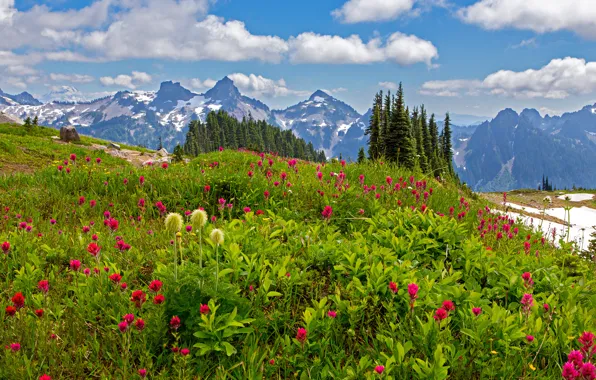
(510,151)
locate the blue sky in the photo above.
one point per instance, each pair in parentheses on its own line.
(463,56)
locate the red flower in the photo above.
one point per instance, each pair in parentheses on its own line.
(15,347)
(204,309)
(93,249)
(39,313)
(140,324)
(155,286)
(128,318)
(138,297)
(440,314)
(123,326)
(44,286)
(10,311)
(327,212)
(159,299)
(5,247)
(143,373)
(207,188)
(272,362)
(164,165)
(530,338)
(393,287)
(332,314)
(448,305)
(184,351)
(45,377)
(379,369)
(18,300)
(175,322)
(301,335)
(115,277)
(413,291)
(112,224)
(476,311)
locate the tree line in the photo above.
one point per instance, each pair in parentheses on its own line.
(222,130)
(410,139)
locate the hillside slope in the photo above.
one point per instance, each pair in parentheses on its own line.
(295,270)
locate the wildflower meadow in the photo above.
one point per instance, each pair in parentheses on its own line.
(244,265)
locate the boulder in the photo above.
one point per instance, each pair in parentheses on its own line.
(114,146)
(69,134)
(163,152)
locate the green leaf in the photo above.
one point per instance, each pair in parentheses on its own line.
(230,350)
(274,294)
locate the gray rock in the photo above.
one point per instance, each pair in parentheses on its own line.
(69,134)
(163,152)
(114,146)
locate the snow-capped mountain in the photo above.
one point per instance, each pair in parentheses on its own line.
(328,123)
(142,117)
(515,150)
(23,98)
(64,94)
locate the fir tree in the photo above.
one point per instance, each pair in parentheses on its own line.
(386,111)
(178,154)
(426,141)
(447,152)
(361,155)
(35,121)
(28,123)
(160,147)
(373,131)
(400,147)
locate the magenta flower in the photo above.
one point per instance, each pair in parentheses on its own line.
(477,311)
(379,369)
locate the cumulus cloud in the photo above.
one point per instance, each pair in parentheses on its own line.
(74,78)
(399,48)
(257,85)
(355,11)
(198,84)
(559,79)
(130,81)
(389,85)
(540,16)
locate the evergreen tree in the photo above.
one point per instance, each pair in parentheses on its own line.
(178,154)
(386,111)
(400,145)
(35,121)
(361,155)
(447,152)
(426,140)
(28,123)
(592,244)
(373,131)
(160,147)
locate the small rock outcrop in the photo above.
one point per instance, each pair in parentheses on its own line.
(163,152)
(114,146)
(69,134)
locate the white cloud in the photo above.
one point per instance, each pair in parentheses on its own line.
(540,16)
(355,11)
(7,11)
(257,85)
(130,81)
(21,70)
(399,48)
(175,34)
(74,78)
(559,79)
(525,43)
(16,82)
(389,85)
(199,84)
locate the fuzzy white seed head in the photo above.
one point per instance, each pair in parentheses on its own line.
(199,219)
(217,236)
(174,222)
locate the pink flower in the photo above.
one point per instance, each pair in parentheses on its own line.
(569,371)
(75,265)
(530,338)
(576,357)
(448,305)
(246,209)
(175,322)
(15,347)
(332,314)
(45,377)
(327,212)
(301,335)
(440,314)
(527,301)
(272,362)
(477,311)
(413,291)
(204,309)
(155,286)
(129,318)
(93,249)
(123,326)
(379,369)
(5,247)
(143,373)
(185,351)
(588,371)
(115,277)
(138,297)
(43,286)
(393,287)
(140,324)
(159,299)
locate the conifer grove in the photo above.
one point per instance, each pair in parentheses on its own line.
(409,138)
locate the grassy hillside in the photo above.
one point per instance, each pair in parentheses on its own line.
(361,271)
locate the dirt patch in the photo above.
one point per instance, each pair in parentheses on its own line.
(9,168)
